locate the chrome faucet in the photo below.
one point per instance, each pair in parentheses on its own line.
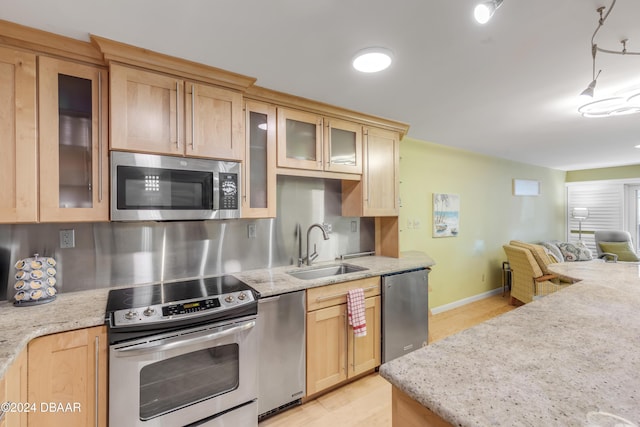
(314,255)
(310,256)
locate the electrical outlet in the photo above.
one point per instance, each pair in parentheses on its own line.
(409,224)
(354,226)
(416,224)
(251,231)
(67,239)
(327,227)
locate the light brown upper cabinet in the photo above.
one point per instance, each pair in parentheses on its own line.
(313,142)
(158,113)
(342,146)
(18,143)
(214,122)
(74,171)
(377,194)
(259,192)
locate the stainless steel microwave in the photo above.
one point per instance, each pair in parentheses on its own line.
(165,188)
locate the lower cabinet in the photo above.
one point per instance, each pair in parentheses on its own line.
(68,378)
(13,389)
(334,353)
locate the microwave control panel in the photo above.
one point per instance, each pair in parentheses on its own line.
(228,190)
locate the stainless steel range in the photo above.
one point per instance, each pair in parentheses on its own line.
(183,353)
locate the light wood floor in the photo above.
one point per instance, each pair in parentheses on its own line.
(367,401)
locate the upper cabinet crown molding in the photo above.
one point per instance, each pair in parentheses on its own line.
(285,100)
(114,51)
(38,41)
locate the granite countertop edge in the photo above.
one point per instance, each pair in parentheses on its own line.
(476,377)
(84,309)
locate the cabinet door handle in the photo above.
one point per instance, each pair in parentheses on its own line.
(329,142)
(367,176)
(193,117)
(177,114)
(353,353)
(346,335)
(97,380)
(320,140)
(100,137)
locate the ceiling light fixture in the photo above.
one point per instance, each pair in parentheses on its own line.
(372,60)
(616,106)
(485,10)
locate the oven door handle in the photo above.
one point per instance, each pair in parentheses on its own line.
(175,342)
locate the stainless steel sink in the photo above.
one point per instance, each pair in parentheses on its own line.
(325,271)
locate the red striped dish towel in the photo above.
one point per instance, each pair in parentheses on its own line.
(355,311)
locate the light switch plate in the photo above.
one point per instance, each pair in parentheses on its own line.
(251,231)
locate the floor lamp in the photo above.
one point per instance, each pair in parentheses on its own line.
(580,214)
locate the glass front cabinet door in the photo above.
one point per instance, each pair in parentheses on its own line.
(73,142)
(299,140)
(313,142)
(342,146)
(259,198)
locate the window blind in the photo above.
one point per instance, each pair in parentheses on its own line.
(606,210)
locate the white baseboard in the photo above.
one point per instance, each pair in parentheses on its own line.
(466,301)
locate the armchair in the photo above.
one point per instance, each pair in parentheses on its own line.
(528,280)
(615,245)
(540,255)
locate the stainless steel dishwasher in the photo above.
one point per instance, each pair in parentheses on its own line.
(281,347)
(405,312)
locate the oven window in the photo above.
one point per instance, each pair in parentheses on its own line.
(184,380)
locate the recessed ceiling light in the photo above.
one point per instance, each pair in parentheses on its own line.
(372,60)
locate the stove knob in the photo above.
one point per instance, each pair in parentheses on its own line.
(242,296)
(229,298)
(130,315)
(150,311)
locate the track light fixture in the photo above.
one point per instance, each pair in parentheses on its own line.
(589,92)
(616,106)
(485,10)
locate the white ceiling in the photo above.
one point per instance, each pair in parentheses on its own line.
(506,89)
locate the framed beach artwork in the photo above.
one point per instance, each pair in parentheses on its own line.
(446,214)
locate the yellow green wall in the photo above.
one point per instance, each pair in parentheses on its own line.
(471,263)
(620,172)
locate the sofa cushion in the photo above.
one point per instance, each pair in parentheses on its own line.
(622,249)
(554,249)
(575,251)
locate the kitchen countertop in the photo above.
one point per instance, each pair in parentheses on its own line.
(74,310)
(276,281)
(550,362)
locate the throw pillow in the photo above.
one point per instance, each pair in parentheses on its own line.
(622,249)
(554,249)
(552,256)
(575,251)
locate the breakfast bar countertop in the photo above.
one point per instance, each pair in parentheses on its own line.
(563,360)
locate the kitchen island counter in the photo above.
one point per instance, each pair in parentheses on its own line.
(557,361)
(83,309)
